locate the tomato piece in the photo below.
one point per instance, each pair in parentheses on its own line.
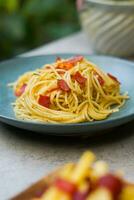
(44,101)
(21,90)
(65,65)
(75,59)
(100,79)
(70,63)
(65,186)
(113,78)
(79,78)
(63,85)
(80,195)
(112,183)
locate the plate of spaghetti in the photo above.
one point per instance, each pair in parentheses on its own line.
(66,94)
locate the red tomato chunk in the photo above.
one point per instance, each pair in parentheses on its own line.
(65,186)
(75,59)
(100,79)
(70,63)
(111,182)
(79,78)
(44,101)
(113,77)
(63,85)
(21,90)
(80,195)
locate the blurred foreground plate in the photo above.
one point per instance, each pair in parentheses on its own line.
(11,69)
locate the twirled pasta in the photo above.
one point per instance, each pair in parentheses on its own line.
(67,91)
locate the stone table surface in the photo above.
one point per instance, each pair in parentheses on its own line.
(25,156)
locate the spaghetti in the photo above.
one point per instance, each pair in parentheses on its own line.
(68,91)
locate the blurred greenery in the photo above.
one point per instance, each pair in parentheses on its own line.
(26,24)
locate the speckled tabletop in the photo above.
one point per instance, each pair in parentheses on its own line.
(25,156)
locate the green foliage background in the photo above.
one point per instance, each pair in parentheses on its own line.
(26,24)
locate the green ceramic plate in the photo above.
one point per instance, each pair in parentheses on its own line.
(10,70)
